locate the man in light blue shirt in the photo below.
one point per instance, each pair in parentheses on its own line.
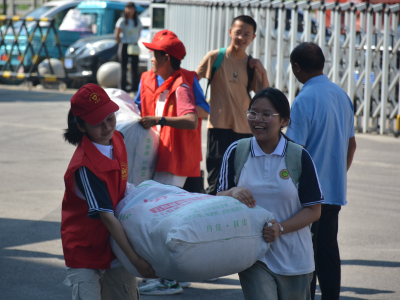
(322,120)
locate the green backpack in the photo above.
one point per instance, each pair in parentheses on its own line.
(292,159)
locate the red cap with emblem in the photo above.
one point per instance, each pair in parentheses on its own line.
(168,42)
(92,104)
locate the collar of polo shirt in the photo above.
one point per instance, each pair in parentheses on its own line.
(280,149)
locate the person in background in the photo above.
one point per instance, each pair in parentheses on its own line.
(237,75)
(95,183)
(127,33)
(192,184)
(171,108)
(323,122)
(285,271)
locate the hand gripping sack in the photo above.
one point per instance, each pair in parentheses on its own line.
(187,236)
(141,144)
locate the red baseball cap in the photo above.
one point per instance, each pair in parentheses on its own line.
(168,42)
(92,104)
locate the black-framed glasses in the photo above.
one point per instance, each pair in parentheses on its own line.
(264,117)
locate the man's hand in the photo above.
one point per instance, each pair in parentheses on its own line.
(144,268)
(148,122)
(244,196)
(271,233)
(256,63)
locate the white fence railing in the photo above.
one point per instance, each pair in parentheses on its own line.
(363,61)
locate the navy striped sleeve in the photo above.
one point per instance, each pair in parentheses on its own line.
(95,192)
(310,192)
(227,172)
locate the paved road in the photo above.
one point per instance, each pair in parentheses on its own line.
(34,157)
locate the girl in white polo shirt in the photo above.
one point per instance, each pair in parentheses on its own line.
(285,271)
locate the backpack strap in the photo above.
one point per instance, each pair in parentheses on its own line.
(216,65)
(220,57)
(293,161)
(241,155)
(250,75)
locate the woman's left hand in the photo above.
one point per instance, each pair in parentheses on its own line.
(271,233)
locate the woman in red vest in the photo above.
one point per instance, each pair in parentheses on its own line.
(95,182)
(171,107)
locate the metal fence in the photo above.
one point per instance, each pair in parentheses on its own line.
(363,61)
(23,48)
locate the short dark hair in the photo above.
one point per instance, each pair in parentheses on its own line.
(72,134)
(308,56)
(175,63)
(246,19)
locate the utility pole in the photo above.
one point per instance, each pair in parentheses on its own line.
(4,7)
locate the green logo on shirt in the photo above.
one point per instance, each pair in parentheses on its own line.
(284,174)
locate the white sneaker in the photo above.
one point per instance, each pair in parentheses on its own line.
(184,284)
(161,287)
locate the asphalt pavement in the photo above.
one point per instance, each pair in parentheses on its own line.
(34,157)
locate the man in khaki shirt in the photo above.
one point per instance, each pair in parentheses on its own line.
(229,99)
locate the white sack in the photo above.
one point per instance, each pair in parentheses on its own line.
(74,20)
(122,95)
(141,144)
(187,236)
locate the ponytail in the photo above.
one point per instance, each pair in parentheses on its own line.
(72,134)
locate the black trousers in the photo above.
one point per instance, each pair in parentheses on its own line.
(123,59)
(218,141)
(326,253)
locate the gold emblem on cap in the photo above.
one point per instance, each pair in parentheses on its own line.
(161,37)
(95,97)
(284,174)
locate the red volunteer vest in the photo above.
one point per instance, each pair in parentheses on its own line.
(179,150)
(86,241)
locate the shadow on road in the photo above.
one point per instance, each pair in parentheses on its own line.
(16,232)
(363,291)
(225,281)
(371,263)
(356,291)
(26,274)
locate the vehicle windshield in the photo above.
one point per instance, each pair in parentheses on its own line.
(37,13)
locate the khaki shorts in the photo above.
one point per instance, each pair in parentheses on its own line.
(113,284)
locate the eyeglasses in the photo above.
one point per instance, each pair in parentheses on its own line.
(264,117)
(243,35)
